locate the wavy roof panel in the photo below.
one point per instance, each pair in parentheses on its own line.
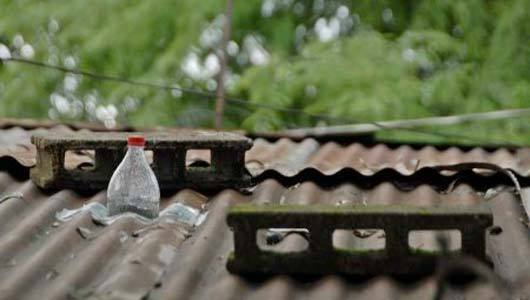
(44,258)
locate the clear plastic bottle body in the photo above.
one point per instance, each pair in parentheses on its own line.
(133,187)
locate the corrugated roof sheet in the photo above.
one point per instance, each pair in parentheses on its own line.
(42,258)
(290,162)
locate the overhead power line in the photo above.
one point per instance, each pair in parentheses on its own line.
(369,127)
(203,94)
(412,123)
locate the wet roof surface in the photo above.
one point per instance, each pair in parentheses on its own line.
(46,259)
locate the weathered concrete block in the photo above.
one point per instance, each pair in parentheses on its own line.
(321,220)
(227,169)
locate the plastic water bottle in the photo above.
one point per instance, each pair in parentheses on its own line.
(133,186)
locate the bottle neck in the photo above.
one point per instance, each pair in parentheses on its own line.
(136,151)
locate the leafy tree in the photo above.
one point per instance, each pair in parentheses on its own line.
(355,61)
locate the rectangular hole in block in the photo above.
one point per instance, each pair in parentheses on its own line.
(283,240)
(359,239)
(149,156)
(198,158)
(79,160)
(431,240)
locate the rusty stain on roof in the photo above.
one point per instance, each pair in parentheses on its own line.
(41,258)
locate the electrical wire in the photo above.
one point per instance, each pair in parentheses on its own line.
(205,95)
(210,97)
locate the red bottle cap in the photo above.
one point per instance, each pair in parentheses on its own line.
(136,140)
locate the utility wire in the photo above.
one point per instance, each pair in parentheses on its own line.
(207,96)
(428,121)
(411,124)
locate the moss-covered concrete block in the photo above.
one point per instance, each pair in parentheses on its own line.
(321,220)
(227,168)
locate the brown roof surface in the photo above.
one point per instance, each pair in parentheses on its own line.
(290,162)
(41,258)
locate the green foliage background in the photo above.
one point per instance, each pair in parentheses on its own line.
(429,58)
